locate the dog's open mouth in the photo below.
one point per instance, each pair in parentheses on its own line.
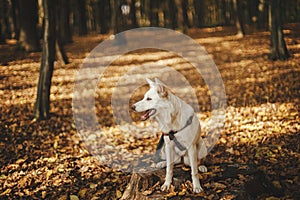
(148,114)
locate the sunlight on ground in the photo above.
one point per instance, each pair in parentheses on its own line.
(261,128)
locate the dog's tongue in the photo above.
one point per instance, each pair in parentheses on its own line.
(145,116)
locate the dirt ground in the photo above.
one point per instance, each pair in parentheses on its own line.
(256,157)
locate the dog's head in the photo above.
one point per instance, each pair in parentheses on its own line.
(155,99)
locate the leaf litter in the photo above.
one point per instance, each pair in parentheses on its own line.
(257,155)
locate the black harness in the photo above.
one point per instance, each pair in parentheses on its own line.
(171,135)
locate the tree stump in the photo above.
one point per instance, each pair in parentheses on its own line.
(146,186)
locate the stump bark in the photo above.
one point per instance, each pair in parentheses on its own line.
(146,186)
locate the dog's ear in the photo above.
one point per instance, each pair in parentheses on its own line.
(162,88)
(150,82)
(162,91)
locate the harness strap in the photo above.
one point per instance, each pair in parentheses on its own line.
(171,135)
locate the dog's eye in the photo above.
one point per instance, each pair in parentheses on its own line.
(148,99)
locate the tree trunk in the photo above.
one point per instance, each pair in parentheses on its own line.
(238,18)
(278,46)
(146,186)
(4,16)
(226,12)
(63,21)
(103,16)
(15,17)
(113,5)
(29,39)
(2,37)
(199,6)
(60,52)
(133,18)
(186,22)
(42,104)
(262,14)
(81,17)
(118,20)
(62,28)
(180,23)
(154,19)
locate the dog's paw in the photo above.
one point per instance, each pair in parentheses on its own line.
(202,168)
(166,186)
(196,185)
(197,189)
(161,164)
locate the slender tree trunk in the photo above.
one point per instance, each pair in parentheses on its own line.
(62,36)
(82,19)
(2,38)
(262,17)
(238,18)
(226,12)
(63,21)
(28,39)
(133,18)
(5,9)
(42,104)
(185,16)
(180,23)
(15,18)
(154,19)
(103,16)
(278,46)
(60,52)
(199,6)
(114,5)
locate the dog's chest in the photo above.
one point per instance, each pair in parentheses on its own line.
(167,140)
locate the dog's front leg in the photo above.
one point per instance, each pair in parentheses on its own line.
(170,165)
(192,153)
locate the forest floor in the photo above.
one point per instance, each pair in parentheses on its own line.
(256,157)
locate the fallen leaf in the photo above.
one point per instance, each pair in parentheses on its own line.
(49,173)
(44,193)
(93,185)
(82,192)
(73,197)
(63,197)
(118,194)
(7,191)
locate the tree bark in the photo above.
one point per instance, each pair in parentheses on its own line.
(154,19)
(146,186)
(238,18)
(133,17)
(4,16)
(15,17)
(63,32)
(28,39)
(60,52)
(63,21)
(2,37)
(262,14)
(82,26)
(42,104)
(180,23)
(103,16)
(278,46)
(199,6)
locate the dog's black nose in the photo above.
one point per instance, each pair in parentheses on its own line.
(133,107)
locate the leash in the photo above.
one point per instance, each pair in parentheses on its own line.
(171,135)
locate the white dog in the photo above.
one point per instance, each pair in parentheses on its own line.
(181,131)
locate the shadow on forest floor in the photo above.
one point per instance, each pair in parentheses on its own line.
(49,160)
